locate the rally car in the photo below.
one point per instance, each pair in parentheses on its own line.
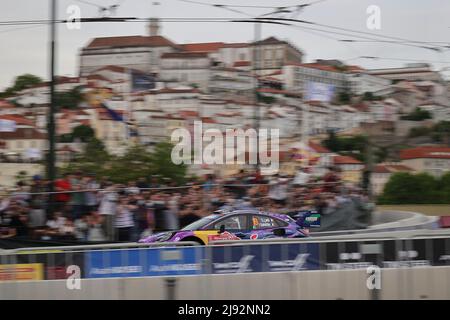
(241,224)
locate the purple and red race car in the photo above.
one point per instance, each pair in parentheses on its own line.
(241,224)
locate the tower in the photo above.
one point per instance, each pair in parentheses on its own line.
(154,27)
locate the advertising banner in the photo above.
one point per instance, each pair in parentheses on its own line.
(316,91)
(21,272)
(265,258)
(385,253)
(144,262)
(54,262)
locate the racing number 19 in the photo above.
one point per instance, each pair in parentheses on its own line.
(233,309)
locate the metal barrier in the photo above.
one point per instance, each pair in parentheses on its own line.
(263,264)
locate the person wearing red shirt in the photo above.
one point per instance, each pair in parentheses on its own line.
(62,199)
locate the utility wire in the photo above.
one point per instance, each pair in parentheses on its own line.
(402,41)
(350,30)
(22,28)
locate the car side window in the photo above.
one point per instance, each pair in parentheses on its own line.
(263,222)
(238,222)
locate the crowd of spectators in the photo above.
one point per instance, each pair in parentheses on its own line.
(85,208)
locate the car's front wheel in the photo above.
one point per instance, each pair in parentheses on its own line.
(194,239)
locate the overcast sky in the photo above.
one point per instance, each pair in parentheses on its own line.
(26,50)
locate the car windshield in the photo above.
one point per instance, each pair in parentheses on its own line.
(196,225)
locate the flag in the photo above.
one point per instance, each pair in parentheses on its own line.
(316,91)
(141,81)
(7,125)
(113,114)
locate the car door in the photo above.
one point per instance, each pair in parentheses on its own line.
(263,226)
(236,223)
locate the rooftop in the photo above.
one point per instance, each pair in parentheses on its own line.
(425,153)
(131,41)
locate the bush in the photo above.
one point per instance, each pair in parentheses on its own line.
(419,132)
(422,188)
(417,115)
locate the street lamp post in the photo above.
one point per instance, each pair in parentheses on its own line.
(256,66)
(51,170)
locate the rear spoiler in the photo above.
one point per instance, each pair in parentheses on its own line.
(308,219)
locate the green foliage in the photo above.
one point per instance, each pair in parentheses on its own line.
(21,82)
(354,146)
(444,187)
(440,132)
(69,99)
(417,115)
(381,154)
(137,162)
(419,132)
(344,97)
(94,159)
(265,99)
(422,188)
(163,165)
(332,142)
(82,132)
(368,96)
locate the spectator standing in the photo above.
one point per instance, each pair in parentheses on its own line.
(77,199)
(95,227)
(278,190)
(124,221)
(108,210)
(91,195)
(62,199)
(81,228)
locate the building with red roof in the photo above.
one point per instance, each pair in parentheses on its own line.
(383,172)
(351,168)
(434,160)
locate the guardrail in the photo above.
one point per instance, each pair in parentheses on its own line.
(402,250)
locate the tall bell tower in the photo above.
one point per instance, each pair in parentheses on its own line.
(154,27)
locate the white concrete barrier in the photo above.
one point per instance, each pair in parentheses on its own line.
(399,283)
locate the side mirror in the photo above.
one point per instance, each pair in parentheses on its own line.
(279,232)
(222,228)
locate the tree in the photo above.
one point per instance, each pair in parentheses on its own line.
(22,82)
(344,97)
(368,96)
(332,142)
(352,146)
(444,187)
(69,99)
(406,188)
(417,115)
(265,99)
(419,132)
(83,132)
(137,162)
(94,159)
(164,166)
(442,130)
(134,164)
(25,81)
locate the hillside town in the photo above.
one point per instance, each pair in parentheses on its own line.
(402,114)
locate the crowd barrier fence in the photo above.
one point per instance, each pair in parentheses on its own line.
(408,260)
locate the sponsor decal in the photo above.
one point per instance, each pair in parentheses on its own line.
(299,263)
(223,236)
(243,265)
(21,272)
(254,236)
(144,262)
